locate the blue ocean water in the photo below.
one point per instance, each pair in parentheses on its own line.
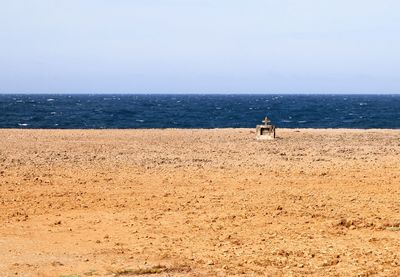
(198,111)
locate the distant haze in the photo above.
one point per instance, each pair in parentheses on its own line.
(199,46)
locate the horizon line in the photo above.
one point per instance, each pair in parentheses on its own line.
(199,93)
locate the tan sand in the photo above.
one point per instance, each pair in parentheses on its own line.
(199,202)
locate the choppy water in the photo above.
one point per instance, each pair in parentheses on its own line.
(198,111)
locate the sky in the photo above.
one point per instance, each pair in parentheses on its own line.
(199,46)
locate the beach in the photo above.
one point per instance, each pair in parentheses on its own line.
(191,202)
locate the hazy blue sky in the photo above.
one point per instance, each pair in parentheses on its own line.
(280,46)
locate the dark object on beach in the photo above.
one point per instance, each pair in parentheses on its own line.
(266,131)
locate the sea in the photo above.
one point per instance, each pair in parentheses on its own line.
(112,111)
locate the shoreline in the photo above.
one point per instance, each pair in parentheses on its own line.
(285,130)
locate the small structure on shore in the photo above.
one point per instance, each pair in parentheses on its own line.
(265,131)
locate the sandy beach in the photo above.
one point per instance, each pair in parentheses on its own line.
(199,202)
